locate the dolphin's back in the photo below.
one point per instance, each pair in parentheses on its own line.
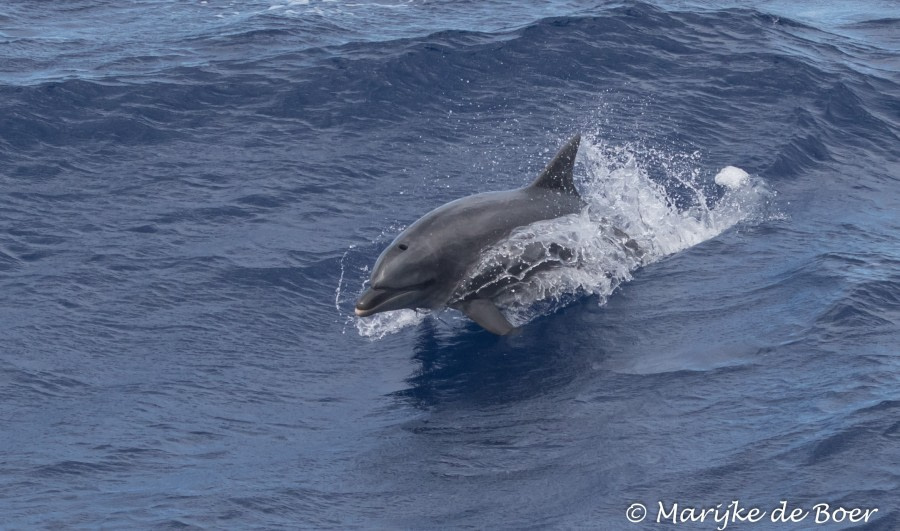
(493,215)
(481,219)
(463,228)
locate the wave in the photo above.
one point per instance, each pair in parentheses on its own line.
(728,65)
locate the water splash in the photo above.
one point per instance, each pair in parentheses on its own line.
(381,324)
(631,220)
(618,187)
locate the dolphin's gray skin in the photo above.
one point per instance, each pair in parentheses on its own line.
(427,263)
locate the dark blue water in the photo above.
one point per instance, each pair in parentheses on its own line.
(193,192)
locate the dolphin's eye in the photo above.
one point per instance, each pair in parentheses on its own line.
(403,246)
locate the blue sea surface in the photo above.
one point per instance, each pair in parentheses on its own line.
(192,195)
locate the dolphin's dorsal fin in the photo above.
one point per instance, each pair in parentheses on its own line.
(558,174)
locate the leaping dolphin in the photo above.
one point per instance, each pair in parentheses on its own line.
(426,265)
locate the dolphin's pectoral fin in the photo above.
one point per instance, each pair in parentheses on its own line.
(486,314)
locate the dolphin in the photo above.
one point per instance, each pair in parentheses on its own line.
(430,265)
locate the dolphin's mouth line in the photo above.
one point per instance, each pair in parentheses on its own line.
(413,287)
(374,298)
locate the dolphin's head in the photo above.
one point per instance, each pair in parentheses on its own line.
(406,275)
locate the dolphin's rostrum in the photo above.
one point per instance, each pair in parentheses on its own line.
(427,263)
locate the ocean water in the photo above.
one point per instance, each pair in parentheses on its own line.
(193,195)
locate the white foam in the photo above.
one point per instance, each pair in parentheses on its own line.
(732,177)
(620,194)
(381,324)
